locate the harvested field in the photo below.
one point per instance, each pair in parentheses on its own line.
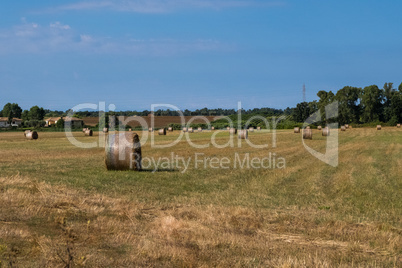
(59,205)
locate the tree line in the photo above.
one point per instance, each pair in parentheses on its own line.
(356,105)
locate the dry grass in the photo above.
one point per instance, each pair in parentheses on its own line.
(59,206)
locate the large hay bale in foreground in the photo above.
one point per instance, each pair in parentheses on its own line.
(398,125)
(296,130)
(105,130)
(123,151)
(162,131)
(243,134)
(378,127)
(233,131)
(26,132)
(307,134)
(343,128)
(326,131)
(32,135)
(170,129)
(319,127)
(88,132)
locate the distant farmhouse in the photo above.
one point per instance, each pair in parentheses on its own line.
(75,122)
(15,122)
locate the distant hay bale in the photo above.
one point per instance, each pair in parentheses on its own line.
(199,129)
(343,128)
(398,125)
(378,127)
(233,131)
(326,131)
(227,128)
(251,129)
(350,127)
(105,130)
(296,130)
(162,131)
(185,129)
(308,127)
(130,129)
(88,132)
(84,129)
(212,128)
(150,129)
(190,129)
(123,151)
(32,135)
(258,128)
(346,126)
(307,134)
(319,127)
(170,129)
(26,132)
(243,134)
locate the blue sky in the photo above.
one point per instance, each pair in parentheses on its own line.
(193,53)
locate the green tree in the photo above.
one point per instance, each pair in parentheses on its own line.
(348,109)
(325,99)
(12,110)
(60,123)
(301,112)
(400,88)
(396,108)
(371,99)
(36,113)
(25,115)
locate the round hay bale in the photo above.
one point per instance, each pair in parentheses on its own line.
(149,129)
(105,130)
(32,135)
(343,128)
(398,125)
(199,129)
(26,132)
(243,134)
(350,127)
(251,129)
(130,129)
(258,128)
(326,131)
(378,127)
(308,127)
(162,131)
(296,130)
(88,132)
(170,129)
(233,131)
(123,151)
(84,129)
(190,129)
(319,127)
(307,134)
(227,128)
(185,129)
(212,128)
(346,126)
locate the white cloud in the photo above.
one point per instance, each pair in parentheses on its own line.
(57,37)
(58,25)
(163,6)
